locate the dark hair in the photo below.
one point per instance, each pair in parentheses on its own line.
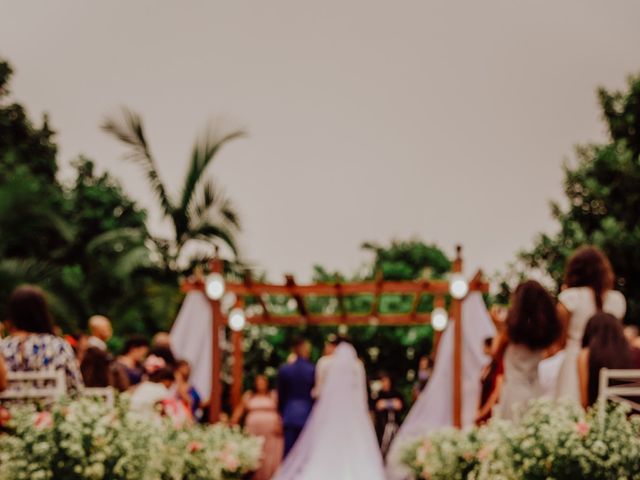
(162,374)
(532,320)
(608,348)
(164,353)
(333,339)
(297,342)
(590,267)
(135,341)
(27,310)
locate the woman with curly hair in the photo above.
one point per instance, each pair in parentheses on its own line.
(532,325)
(587,290)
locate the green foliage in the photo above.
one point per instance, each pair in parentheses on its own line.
(602,204)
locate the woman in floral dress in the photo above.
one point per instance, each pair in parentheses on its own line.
(32,345)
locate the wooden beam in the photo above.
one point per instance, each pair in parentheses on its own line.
(237,371)
(217,320)
(456,315)
(338,319)
(300,305)
(248,282)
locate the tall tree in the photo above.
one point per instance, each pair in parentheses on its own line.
(201,211)
(602,190)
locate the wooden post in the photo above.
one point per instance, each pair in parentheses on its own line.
(215,399)
(456,316)
(237,338)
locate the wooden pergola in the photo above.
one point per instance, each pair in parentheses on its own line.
(439,289)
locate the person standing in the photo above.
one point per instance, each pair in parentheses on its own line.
(588,289)
(532,327)
(387,407)
(295,384)
(322,367)
(262,420)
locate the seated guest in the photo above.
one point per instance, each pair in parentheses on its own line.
(135,351)
(604,346)
(154,396)
(31,345)
(97,367)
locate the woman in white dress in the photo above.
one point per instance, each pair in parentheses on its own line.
(338,442)
(588,289)
(532,326)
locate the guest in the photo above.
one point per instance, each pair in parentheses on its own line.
(187,392)
(604,346)
(295,383)
(98,366)
(155,396)
(262,419)
(424,374)
(588,289)
(31,345)
(135,350)
(387,407)
(79,343)
(161,340)
(324,362)
(549,369)
(532,325)
(491,382)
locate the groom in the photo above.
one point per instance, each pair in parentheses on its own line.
(295,383)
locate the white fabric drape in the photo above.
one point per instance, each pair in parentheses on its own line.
(434,408)
(338,441)
(191,340)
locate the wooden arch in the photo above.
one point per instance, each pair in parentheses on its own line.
(248,288)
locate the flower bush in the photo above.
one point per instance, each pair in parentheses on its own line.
(552,441)
(87,440)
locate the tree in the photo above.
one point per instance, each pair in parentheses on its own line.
(201,212)
(602,192)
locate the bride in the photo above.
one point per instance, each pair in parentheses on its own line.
(338,441)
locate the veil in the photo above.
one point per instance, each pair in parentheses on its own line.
(433,409)
(338,441)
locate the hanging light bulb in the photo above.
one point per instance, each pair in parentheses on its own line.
(439,319)
(237,319)
(214,286)
(458,286)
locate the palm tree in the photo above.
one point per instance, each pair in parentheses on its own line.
(202,211)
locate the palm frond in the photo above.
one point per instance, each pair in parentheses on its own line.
(202,155)
(132,260)
(211,202)
(130,131)
(125,236)
(210,232)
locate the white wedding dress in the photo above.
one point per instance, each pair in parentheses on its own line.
(338,442)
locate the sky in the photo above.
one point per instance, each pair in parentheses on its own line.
(371,120)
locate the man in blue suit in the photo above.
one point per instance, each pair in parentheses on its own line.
(295,382)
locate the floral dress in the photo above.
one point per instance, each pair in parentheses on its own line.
(41,351)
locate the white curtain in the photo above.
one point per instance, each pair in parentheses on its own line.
(434,409)
(191,340)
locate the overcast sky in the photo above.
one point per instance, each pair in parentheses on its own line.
(368,120)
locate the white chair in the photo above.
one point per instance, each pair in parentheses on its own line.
(621,386)
(104,393)
(47,385)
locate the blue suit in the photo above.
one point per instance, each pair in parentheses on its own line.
(295,382)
